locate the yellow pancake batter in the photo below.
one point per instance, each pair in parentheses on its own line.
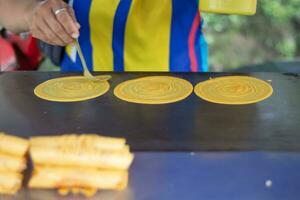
(154,90)
(71,89)
(234,90)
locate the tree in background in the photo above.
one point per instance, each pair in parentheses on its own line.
(272,34)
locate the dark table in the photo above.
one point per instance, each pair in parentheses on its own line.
(192,149)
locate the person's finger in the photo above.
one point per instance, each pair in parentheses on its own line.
(68,23)
(50,34)
(59,31)
(72,14)
(37,33)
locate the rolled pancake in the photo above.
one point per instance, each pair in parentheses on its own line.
(10,182)
(71,89)
(13,145)
(60,177)
(154,90)
(82,157)
(88,141)
(234,90)
(12,163)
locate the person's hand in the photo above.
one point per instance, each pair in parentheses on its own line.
(54,22)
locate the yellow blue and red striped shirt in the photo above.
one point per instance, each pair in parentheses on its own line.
(139,35)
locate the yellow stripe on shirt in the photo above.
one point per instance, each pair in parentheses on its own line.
(147,36)
(101,22)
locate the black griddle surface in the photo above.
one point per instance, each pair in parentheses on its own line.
(190,125)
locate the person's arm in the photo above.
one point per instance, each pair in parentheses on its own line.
(14,12)
(38,18)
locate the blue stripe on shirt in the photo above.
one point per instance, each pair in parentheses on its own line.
(119,34)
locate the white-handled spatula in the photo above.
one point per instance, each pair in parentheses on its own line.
(86,71)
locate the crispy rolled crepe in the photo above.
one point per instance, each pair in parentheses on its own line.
(82,157)
(46,177)
(12,163)
(82,141)
(10,182)
(13,145)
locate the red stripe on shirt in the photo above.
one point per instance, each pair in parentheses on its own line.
(191,42)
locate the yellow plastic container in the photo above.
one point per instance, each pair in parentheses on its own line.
(241,7)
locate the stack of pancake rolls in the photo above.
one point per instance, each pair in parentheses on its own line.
(79,163)
(13,151)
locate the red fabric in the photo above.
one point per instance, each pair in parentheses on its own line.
(29,56)
(8,59)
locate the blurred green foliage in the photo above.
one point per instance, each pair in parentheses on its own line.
(272,34)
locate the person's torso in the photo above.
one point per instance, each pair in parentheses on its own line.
(139,35)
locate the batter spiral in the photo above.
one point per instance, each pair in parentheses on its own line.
(71,89)
(154,90)
(234,90)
